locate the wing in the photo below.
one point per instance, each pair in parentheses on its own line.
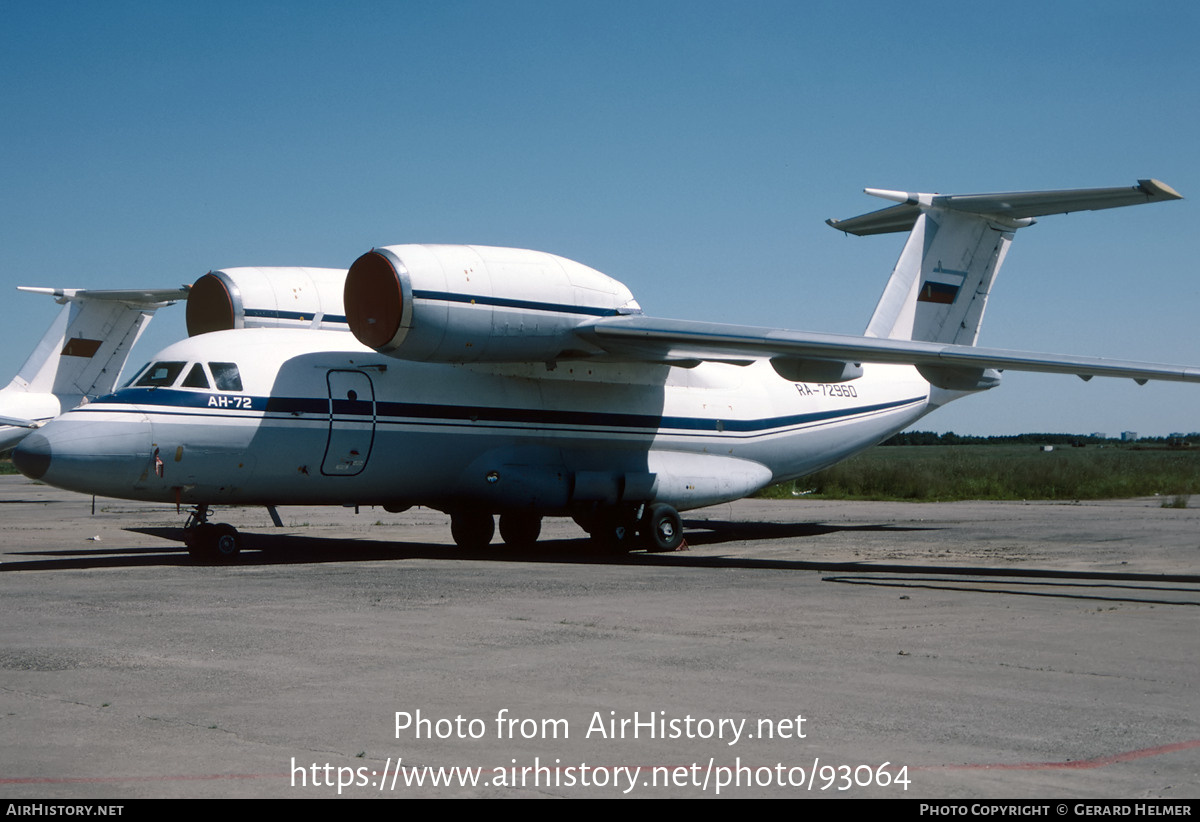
(818,354)
(974,227)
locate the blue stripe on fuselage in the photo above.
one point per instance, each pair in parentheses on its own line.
(173,398)
(189,399)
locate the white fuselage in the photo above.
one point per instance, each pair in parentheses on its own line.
(320,418)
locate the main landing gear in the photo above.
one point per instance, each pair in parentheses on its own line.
(661,529)
(473,530)
(655,528)
(210,542)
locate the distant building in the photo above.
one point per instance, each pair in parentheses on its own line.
(1098,435)
(1128,436)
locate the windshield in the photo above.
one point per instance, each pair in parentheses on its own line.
(161,374)
(196,378)
(136,374)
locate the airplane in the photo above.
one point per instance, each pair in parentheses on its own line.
(81,355)
(485,381)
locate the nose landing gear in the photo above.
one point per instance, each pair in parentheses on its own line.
(209,542)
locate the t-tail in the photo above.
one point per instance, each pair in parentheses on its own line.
(956,244)
(80,356)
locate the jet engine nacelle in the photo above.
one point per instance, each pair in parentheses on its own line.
(460,303)
(284,297)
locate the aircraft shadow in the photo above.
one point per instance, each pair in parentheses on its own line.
(266,548)
(715,531)
(289,549)
(1002,582)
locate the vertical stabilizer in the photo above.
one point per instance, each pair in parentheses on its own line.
(80,356)
(84,350)
(939,287)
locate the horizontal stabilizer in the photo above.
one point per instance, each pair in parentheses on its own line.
(150,297)
(18,422)
(1007,206)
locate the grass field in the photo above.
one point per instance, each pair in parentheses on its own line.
(957,472)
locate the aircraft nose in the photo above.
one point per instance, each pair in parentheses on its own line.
(87,452)
(32,455)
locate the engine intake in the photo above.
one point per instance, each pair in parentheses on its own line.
(287,297)
(459,303)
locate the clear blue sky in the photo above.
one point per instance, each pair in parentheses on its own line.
(689,149)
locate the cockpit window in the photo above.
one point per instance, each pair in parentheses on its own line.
(196,378)
(161,373)
(136,374)
(226,376)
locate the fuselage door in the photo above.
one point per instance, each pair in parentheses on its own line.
(351,423)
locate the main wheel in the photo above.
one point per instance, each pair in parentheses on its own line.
(472,530)
(520,529)
(614,530)
(662,529)
(585,520)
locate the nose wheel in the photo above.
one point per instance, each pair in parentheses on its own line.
(210,542)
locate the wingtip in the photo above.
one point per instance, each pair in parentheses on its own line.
(1159,190)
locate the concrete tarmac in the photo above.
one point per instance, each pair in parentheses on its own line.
(798,648)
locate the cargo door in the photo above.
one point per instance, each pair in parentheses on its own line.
(351,423)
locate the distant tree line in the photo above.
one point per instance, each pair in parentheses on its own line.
(950,438)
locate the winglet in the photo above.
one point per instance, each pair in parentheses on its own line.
(1158,190)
